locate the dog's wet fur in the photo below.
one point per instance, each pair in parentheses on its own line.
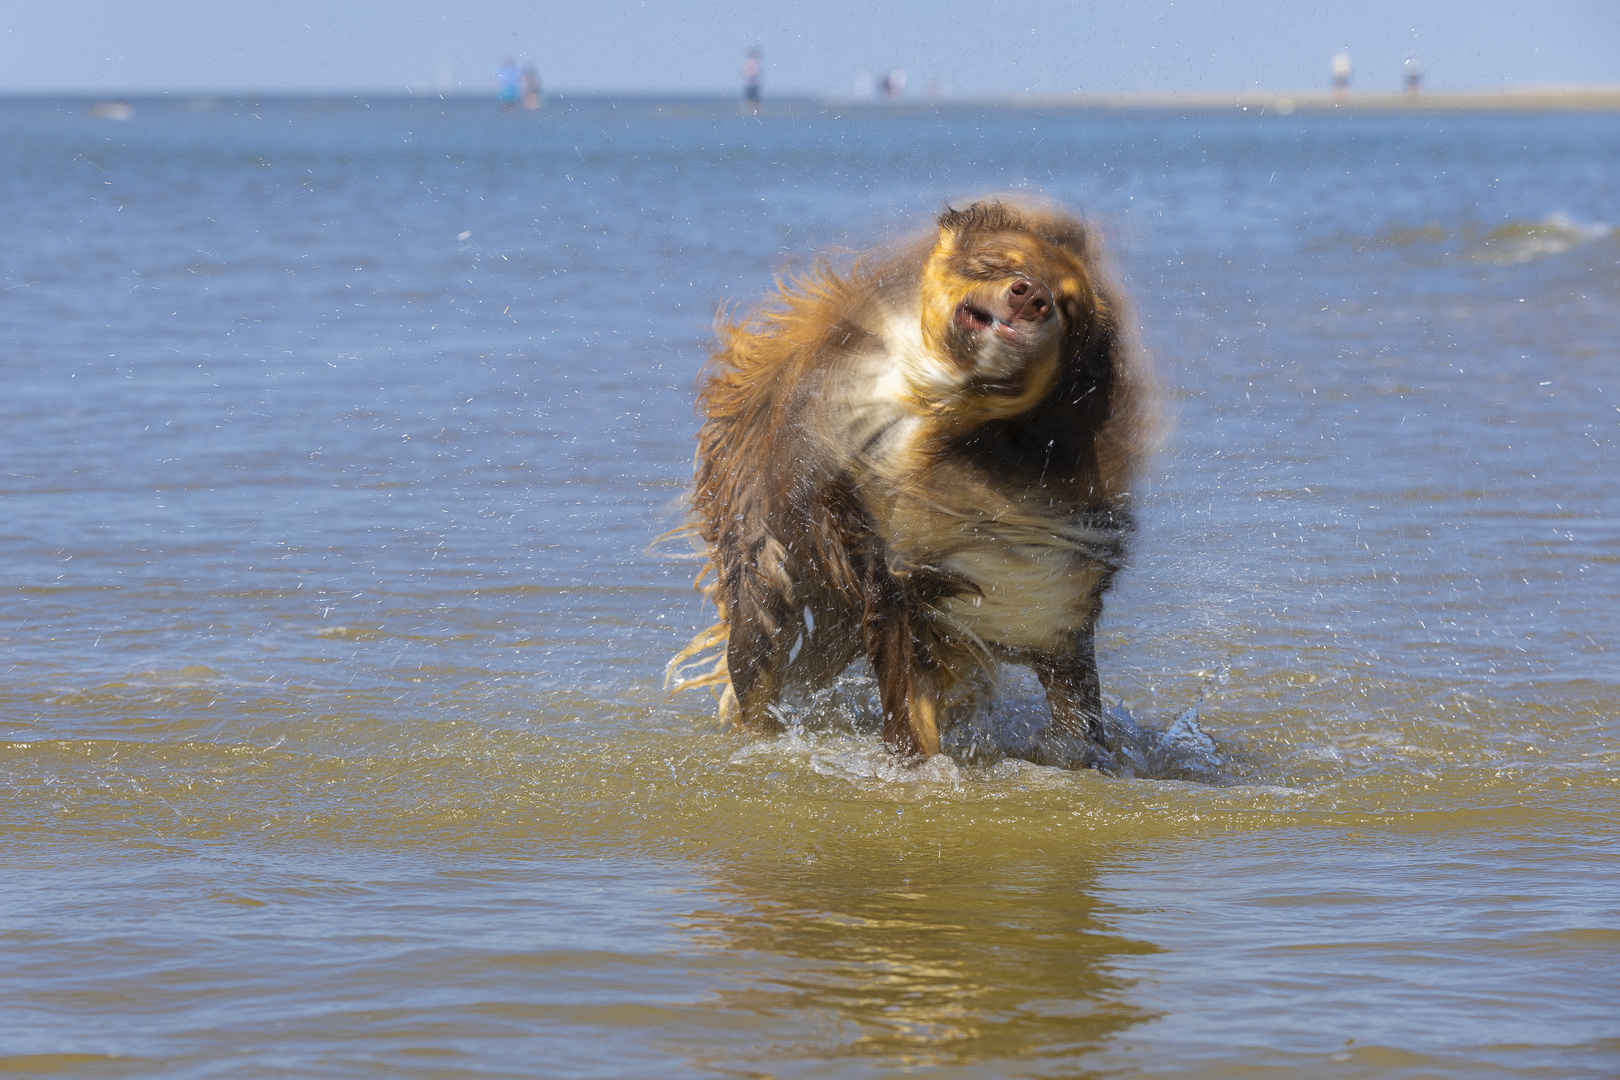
(926,460)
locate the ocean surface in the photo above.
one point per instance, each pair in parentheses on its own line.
(332,733)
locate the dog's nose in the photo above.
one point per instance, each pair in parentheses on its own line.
(1028,300)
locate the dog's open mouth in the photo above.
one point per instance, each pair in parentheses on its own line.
(972,317)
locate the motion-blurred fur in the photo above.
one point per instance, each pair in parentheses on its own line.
(927,460)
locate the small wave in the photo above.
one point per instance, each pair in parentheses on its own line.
(1507,244)
(1521,241)
(350,633)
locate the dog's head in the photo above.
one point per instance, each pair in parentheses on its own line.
(1006,301)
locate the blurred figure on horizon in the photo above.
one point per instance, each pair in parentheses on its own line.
(120,109)
(531,88)
(1414,76)
(1341,73)
(753,68)
(508,77)
(894,84)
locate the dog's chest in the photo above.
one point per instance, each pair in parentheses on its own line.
(1036,572)
(1034,578)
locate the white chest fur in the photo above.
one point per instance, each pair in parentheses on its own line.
(1037,573)
(1033,596)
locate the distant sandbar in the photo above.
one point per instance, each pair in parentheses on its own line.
(1604,98)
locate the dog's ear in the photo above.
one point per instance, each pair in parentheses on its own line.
(953,220)
(992,215)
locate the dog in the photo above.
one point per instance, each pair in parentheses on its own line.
(926,460)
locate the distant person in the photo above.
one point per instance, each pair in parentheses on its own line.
(113,110)
(1414,76)
(531,88)
(1341,72)
(508,76)
(753,67)
(894,84)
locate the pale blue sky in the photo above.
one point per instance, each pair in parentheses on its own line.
(811,46)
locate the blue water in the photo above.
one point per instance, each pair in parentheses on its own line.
(332,737)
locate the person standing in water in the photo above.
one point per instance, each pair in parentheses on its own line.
(1341,73)
(1414,76)
(507,76)
(753,66)
(531,88)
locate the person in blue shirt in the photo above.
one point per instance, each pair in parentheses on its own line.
(509,78)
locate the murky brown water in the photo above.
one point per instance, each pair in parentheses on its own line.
(333,742)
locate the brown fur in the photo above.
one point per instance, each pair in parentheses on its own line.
(940,481)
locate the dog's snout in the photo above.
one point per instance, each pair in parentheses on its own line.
(1028,300)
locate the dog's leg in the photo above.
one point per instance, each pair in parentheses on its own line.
(761,618)
(756,678)
(923,721)
(908,691)
(1074,738)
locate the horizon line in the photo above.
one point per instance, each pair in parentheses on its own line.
(1543,97)
(1223,93)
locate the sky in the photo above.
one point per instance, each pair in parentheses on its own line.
(811,47)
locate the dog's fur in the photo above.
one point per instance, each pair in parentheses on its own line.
(927,460)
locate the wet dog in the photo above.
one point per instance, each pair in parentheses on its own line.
(926,460)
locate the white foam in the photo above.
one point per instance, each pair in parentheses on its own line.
(1553,235)
(848,757)
(1185,737)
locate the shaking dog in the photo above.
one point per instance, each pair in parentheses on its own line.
(927,461)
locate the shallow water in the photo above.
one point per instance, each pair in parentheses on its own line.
(332,739)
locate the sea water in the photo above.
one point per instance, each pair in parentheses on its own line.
(332,736)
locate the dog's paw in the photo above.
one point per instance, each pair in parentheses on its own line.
(1072,752)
